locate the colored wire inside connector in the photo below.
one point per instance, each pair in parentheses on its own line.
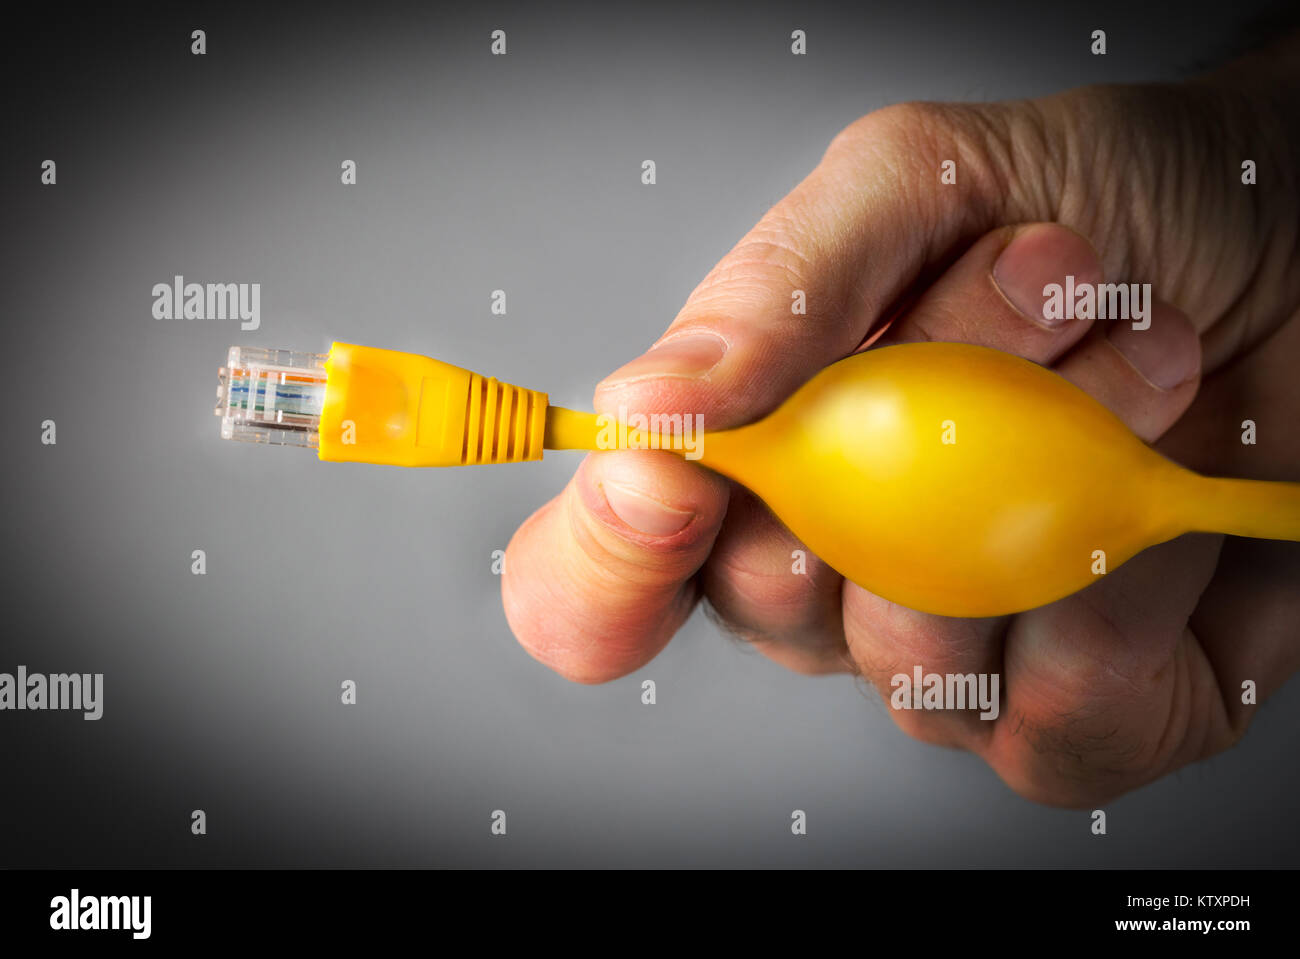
(271,396)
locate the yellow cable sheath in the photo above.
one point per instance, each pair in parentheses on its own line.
(571,429)
(950,478)
(1243,507)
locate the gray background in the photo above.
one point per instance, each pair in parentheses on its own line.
(475,173)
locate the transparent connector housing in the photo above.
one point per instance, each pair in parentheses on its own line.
(271,396)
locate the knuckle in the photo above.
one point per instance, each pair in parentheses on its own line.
(1071,758)
(913,130)
(996,146)
(888,124)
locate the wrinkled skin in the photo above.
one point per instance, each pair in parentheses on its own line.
(1105,690)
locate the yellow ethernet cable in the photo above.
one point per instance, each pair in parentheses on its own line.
(950,478)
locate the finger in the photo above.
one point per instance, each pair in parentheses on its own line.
(994,295)
(1246,622)
(597,581)
(766,587)
(889,643)
(1109,689)
(1146,377)
(1246,619)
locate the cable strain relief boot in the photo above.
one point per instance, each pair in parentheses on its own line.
(503,423)
(403,409)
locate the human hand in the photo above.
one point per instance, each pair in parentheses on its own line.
(1104,690)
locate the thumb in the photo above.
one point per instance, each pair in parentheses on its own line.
(596,582)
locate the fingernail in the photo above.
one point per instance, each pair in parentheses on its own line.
(1040,255)
(1167,354)
(688,355)
(642,512)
